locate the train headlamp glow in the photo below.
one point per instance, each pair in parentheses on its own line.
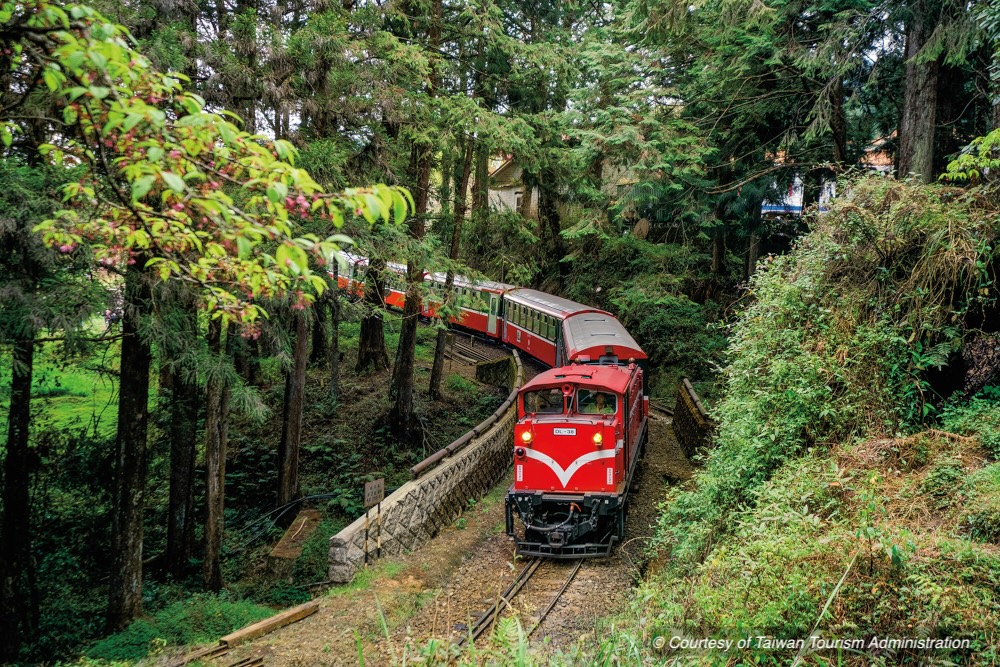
(526,437)
(598,438)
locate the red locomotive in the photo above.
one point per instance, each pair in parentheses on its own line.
(580,432)
(581,425)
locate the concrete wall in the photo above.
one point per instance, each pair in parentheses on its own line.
(416,511)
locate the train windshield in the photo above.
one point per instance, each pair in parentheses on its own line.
(596,402)
(544,401)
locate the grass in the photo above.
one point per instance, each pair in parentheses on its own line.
(367,576)
(69,392)
(200,619)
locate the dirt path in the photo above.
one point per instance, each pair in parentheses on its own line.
(436,591)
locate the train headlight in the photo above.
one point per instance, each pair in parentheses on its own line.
(526,437)
(598,439)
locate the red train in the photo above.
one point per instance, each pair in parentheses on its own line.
(581,426)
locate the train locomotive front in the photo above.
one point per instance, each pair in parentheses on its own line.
(580,432)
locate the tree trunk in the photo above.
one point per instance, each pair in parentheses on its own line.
(14,533)
(481,187)
(246,361)
(184,401)
(291,435)
(371,341)
(753,254)
(401,416)
(402,420)
(916,127)
(217,395)
(718,251)
(335,333)
(317,354)
(125,590)
(838,124)
(461,198)
(548,213)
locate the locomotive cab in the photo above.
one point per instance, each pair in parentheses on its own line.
(579,432)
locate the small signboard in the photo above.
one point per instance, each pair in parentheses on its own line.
(374,492)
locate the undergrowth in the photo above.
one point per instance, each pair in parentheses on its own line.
(200,619)
(844,497)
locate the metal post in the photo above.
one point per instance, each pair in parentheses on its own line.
(378,523)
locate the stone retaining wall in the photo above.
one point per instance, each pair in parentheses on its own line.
(691,422)
(416,511)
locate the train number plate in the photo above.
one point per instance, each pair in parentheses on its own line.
(564,431)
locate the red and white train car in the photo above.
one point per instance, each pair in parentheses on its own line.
(480,303)
(533,322)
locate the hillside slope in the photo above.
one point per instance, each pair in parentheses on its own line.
(854,493)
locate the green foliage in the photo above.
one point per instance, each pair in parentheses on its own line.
(834,344)
(203,618)
(460,384)
(71,390)
(648,287)
(980,416)
(981,515)
(942,480)
(171,161)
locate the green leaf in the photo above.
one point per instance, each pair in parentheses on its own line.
(99,92)
(141,186)
(277,192)
(173,181)
(51,78)
(243,246)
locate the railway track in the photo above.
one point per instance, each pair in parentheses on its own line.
(660,409)
(503,603)
(468,352)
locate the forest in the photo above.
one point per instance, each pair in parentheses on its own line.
(790,203)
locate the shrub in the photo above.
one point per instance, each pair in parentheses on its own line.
(979,416)
(943,480)
(457,383)
(202,618)
(982,518)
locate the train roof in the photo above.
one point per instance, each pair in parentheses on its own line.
(598,334)
(613,378)
(351,258)
(462,281)
(549,304)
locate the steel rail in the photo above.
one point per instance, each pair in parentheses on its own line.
(555,598)
(481,624)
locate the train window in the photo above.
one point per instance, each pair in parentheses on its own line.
(552,329)
(544,401)
(596,402)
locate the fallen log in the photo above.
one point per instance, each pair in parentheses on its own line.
(271,624)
